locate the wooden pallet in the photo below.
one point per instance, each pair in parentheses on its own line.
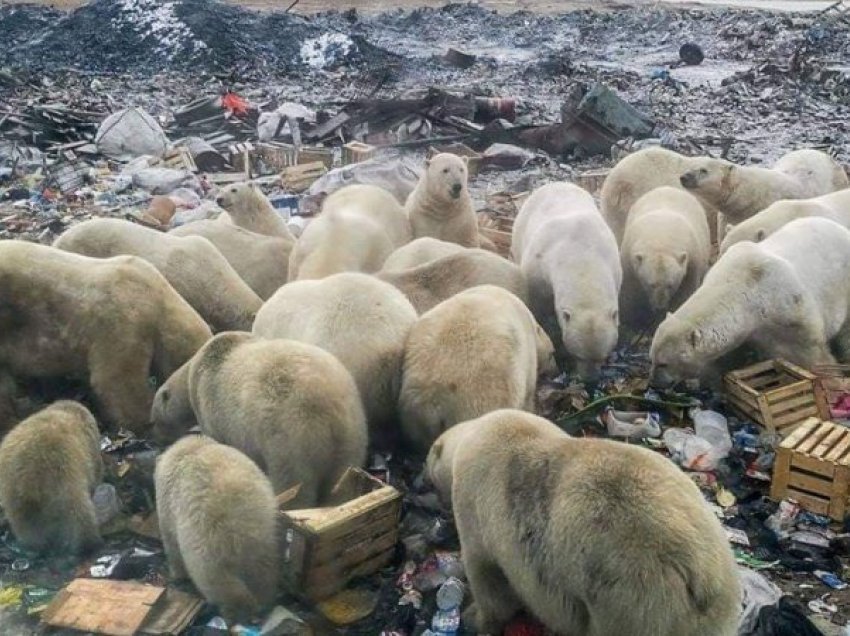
(812,467)
(592,180)
(473,159)
(776,394)
(324,548)
(299,178)
(357,151)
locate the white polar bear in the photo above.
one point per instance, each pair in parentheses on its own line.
(570,259)
(665,253)
(788,295)
(358,228)
(834,206)
(419,252)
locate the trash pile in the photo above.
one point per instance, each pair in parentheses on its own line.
(167,102)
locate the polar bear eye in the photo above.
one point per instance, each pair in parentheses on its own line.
(445,170)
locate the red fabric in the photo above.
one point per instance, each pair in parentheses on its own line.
(524,627)
(235,104)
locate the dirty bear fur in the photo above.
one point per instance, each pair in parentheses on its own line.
(261,261)
(358,228)
(246,206)
(570,259)
(559,526)
(193,266)
(788,295)
(834,206)
(665,254)
(419,252)
(49,466)
(218,522)
(100,320)
(440,205)
(430,284)
(743,191)
(361,320)
(637,174)
(478,351)
(291,407)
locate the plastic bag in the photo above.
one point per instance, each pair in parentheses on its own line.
(631,424)
(757,592)
(398,177)
(703,449)
(130,133)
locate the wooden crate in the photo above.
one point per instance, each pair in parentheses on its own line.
(310,154)
(324,548)
(776,395)
(299,178)
(498,229)
(592,180)
(812,467)
(357,151)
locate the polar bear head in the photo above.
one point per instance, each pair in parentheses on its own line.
(709,178)
(660,275)
(589,335)
(446,176)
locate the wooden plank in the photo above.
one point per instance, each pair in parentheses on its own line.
(801,433)
(334,523)
(821,400)
(102,606)
(325,550)
(172,614)
(767,417)
(733,383)
(809,483)
(793,369)
(781,470)
(815,438)
(330,587)
(841,448)
(745,402)
(794,417)
(790,390)
(811,503)
(803,462)
(339,567)
(793,403)
(828,442)
(840,491)
(753,370)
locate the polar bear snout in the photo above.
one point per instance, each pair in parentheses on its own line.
(455,190)
(660,376)
(689,180)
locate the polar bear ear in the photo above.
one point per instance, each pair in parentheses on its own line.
(760,234)
(427,163)
(566,315)
(465,160)
(682,258)
(615,315)
(437,448)
(639,259)
(165,393)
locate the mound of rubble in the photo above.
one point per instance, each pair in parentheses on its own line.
(148,36)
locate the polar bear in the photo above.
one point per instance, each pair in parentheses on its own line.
(218,522)
(113,322)
(361,320)
(478,351)
(743,191)
(834,206)
(570,258)
(419,252)
(289,406)
(261,261)
(358,228)
(193,266)
(788,295)
(440,205)
(634,176)
(430,284)
(558,526)
(245,205)
(665,253)
(49,466)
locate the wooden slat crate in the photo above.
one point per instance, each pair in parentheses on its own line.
(309,154)
(498,229)
(299,178)
(324,548)
(776,394)
(812,467)
(357,151)
(592,180)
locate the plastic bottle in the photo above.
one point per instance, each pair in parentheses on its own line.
(106,503)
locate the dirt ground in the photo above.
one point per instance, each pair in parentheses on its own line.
(540,6)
